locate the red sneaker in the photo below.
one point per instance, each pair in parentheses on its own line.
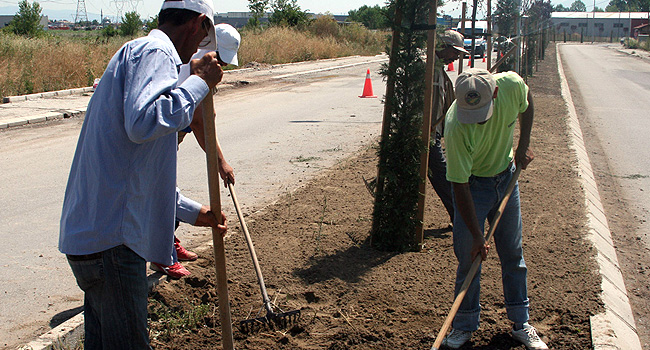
(175,271)
(183,254)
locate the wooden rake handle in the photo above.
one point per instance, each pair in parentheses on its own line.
(251,249)
(210,130)
(475,265)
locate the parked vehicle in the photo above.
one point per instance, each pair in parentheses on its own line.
(480,34)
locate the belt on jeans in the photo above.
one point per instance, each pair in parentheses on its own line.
(507,169)
(84,257)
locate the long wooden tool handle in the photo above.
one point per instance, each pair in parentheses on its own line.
(251,249)
(210,130)
(475,265)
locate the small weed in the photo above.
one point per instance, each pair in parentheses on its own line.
(319,232)
(166,324)
(631,177)
(335,149)
(362,219)
(301,159)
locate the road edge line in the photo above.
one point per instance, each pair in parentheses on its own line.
(614,328)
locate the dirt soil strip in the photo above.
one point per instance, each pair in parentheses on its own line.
(314,253)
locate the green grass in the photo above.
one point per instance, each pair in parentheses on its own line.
(165,323)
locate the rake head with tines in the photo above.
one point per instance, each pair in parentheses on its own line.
(271,320)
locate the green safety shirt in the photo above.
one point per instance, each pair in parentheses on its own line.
(485,150)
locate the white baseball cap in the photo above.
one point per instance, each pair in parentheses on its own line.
(205,7)
(228,40)
(474,91)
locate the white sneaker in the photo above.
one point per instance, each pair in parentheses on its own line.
(528,336)
(456,338)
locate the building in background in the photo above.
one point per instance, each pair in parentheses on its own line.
(5,19)
(598,24)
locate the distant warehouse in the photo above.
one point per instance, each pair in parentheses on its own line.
(5,19)
(599,24)
(239,19)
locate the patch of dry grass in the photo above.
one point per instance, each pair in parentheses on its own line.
(51,63)
(65,61)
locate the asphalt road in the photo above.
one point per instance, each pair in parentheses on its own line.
(612,90)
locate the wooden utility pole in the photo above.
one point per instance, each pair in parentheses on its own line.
(429,97)
(473,51)
(462,29)
(488,37)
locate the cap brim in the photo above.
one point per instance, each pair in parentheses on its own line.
(229,57)
(473,116)
(210,41)
(461,49)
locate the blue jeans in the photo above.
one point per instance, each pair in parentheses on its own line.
(487,193)
(115,302)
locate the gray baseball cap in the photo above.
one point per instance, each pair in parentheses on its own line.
(474,91)
(454,39)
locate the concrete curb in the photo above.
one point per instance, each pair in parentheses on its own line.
(30,97)
(615,327)
(39,118)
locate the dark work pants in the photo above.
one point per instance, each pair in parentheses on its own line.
(115,303)
(438,175)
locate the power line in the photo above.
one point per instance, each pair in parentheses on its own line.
(81,15)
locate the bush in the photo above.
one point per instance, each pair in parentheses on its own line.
(109,31)
(131,24)
(631,43)
(325,25)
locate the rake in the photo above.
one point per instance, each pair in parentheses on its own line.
(272,318)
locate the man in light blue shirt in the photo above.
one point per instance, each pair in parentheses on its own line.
(120,203)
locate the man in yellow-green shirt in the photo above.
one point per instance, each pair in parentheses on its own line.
(479,133)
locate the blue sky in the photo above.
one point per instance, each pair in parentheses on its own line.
(66,9)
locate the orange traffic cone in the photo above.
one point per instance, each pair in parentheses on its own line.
(483,57)
(367,87)
(469,62)
(450,67)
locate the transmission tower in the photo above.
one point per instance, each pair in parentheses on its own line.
(135,4)
(82,15)
(119,6)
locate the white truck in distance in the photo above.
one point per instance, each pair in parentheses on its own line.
(480,32)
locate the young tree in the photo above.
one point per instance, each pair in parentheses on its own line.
(27,19)
(396,201)
(505,16)
(540,11)
(131,24)
(288,13)
(372,17)
(257,8)
(578,6)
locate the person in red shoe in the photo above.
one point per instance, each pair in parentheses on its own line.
(228,40)
(183,254)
